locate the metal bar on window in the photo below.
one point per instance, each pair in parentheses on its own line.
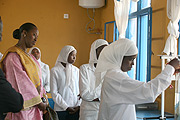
(114,35)
(145,11)
(139,48)
(149,45)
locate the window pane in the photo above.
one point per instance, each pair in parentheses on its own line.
(133,29)
(145,3)
(143,48)
(133,7)
(132,35)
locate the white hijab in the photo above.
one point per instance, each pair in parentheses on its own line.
(63,57)
(97,43)
(64,54)
(39,60)
(112,56)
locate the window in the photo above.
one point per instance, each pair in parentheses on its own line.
(139,30)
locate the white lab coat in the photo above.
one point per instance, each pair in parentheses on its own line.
(89,108)
(45,76)
(62,94)
(120,93)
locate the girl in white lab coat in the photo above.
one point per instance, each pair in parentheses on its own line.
(119,92)
(89,94)
(64,84)
(35,51)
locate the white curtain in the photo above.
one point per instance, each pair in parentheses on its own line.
(121,13)
(173,13)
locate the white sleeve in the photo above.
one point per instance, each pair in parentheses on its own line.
(47,79)
(136,92)
(84,85)
(54,91)
(79,100)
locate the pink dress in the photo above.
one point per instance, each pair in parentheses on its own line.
(17,76)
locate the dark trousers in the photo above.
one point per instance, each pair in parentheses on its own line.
(64,115)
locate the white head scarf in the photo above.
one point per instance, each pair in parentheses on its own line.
(30,52)
(63,57)
(39,60)
(112,56)
(97,43)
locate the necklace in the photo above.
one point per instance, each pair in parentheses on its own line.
(22,50)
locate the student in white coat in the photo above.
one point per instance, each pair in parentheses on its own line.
(119,92)
(89,94)
(44,68)
(64,85)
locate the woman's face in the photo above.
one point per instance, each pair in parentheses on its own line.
(30,37)
(99,49)
(35,52)
(72,57)
(127,63)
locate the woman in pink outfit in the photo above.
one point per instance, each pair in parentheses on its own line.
(23,72)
